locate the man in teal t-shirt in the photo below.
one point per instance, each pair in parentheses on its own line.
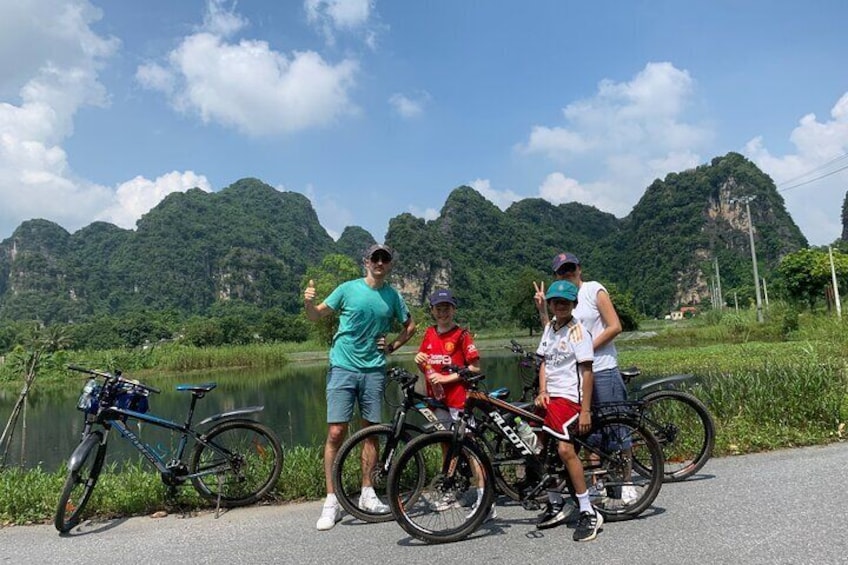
(366,308)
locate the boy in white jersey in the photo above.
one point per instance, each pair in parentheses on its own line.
(565,392)
(596,312)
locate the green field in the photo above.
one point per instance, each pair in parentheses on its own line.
(769,386)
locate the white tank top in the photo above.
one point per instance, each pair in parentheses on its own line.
(606,357)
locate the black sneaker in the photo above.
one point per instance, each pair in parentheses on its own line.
(553,515)
(588,526)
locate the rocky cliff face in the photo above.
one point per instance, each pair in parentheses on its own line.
(252,243)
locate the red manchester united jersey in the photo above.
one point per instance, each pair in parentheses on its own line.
(454,347)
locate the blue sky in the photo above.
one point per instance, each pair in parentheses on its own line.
(374,108)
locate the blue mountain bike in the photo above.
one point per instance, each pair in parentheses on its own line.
(236,461)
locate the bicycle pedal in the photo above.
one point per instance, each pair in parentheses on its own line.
(531,505)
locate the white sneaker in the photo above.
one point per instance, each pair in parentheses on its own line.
(330,514)
(493,513)
(447,502)
(370,503)
(629,494)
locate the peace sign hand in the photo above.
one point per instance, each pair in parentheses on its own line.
(539,296)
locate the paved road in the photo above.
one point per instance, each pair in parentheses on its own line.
(783,507)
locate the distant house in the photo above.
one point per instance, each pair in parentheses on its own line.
(684,312)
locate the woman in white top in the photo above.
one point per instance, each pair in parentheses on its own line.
(595,311)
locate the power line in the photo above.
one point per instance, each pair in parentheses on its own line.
(784,189)
(813,170)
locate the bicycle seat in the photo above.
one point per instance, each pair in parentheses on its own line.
(501,393)
(197,388)
(630,373)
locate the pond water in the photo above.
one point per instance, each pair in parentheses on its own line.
(293,396)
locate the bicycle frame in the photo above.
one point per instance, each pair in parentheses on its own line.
(546,463)
(115,417)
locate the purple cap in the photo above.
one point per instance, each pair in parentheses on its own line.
(442,296)
(564,258)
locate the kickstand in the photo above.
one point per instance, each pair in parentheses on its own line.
(218,503)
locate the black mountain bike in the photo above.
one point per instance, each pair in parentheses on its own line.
(235,462)
(457,463)
(680,421)
(371,450)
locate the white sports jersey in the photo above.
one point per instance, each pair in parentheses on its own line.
(562,351)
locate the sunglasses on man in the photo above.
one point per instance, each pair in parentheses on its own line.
(381,257)
(567,269)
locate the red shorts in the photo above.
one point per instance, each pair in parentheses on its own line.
(561,413)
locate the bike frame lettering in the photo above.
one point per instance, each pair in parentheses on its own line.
(431,417)
(510,433)
(145,449)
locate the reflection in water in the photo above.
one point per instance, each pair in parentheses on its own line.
(293,397)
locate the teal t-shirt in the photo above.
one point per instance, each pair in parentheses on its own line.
(364,314)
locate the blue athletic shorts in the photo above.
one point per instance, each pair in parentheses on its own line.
(346,388)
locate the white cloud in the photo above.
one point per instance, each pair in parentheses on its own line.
(50,59)
(220,21)
(810,179)
(500,198)
(428,214)
(625,136)
(332,216)
(248,86)
(330,16)
(36,32)
(136,197)
(409,107)
(342,14)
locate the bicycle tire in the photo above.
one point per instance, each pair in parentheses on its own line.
(437,514)
(628,489)
(237,460)
(347,470)
(685,429)
(91,455)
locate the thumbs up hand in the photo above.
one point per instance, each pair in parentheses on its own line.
(309,293)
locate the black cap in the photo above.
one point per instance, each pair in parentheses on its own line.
(442,296)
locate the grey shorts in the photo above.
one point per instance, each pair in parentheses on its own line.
(346,388)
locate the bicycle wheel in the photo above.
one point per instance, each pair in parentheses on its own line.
(684,428)
(619,488)
(447,509)
(86,462)
(238,461)
(349,464)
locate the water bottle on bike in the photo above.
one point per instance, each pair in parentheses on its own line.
(525,432)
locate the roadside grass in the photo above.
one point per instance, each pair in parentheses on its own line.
(764,394)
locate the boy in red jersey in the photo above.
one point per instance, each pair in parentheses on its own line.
(444,344)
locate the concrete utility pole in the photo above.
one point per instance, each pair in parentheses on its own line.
(765,294)
(835,287)
(747,200)
(719,298)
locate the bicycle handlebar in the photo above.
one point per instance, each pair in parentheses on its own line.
(518,349)
(402,376)
(117,378)
(466,374)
